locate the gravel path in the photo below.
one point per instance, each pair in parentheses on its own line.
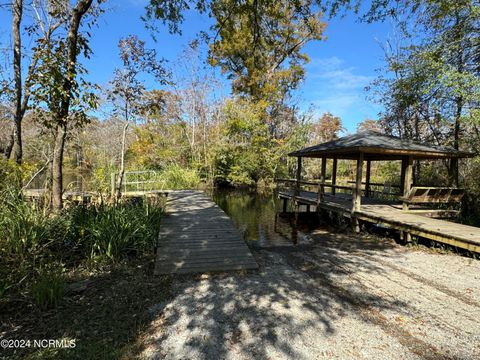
(343,297)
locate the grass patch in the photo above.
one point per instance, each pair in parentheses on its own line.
(176,177)
(48,289)
(107,318)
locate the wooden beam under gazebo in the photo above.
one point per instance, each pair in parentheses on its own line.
(405,210)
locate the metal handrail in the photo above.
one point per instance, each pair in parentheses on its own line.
(136,176)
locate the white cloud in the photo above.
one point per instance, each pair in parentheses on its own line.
(333,86)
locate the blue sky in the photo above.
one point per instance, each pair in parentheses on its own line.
(340,66)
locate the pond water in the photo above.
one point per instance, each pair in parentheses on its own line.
(257,217)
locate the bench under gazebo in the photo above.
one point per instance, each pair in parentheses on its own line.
(405,212)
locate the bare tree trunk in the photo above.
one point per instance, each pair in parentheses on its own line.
(57,164)
(7,150)
(62,115)
(205,161)
(453,170)
(17,10)
(121,171)
(416,163)
(22,94)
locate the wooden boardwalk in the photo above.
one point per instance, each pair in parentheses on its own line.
(391,215)
(197,236)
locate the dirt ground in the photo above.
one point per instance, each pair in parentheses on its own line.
(341,297)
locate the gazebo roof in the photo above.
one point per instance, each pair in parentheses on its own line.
(376,146)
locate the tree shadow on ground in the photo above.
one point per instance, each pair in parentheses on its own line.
(264,314)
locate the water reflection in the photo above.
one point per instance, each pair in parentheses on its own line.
(256,215)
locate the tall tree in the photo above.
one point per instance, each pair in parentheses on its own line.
(43,26)
(128,89)
(67,89)
(58,86)
(327,128)
(195,88)
(17,11)
(436,86)
(258,44)
(369,125)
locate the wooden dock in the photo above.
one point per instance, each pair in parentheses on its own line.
(197,236)
(392,216)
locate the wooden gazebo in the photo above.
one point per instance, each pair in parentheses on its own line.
(372,146)
(367,147)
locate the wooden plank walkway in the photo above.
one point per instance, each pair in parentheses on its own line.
(391,215)
(463,236)
(197,236)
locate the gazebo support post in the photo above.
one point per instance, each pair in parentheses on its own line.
(406,184)
(296,205)
(357,193)
(299,175)
(407,178)
(334,175)
(402,175)
(321,185)
(367,180)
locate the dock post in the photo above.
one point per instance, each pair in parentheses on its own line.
(297,210)
(356,225)
(405,237)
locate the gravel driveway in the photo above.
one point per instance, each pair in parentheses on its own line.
(342,297)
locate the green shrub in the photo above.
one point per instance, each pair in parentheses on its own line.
(23,229)
(49,287)
(13,176)
(114,231)
(176,177)
(110,232)
(100,180)
(31,239)
(105,231)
